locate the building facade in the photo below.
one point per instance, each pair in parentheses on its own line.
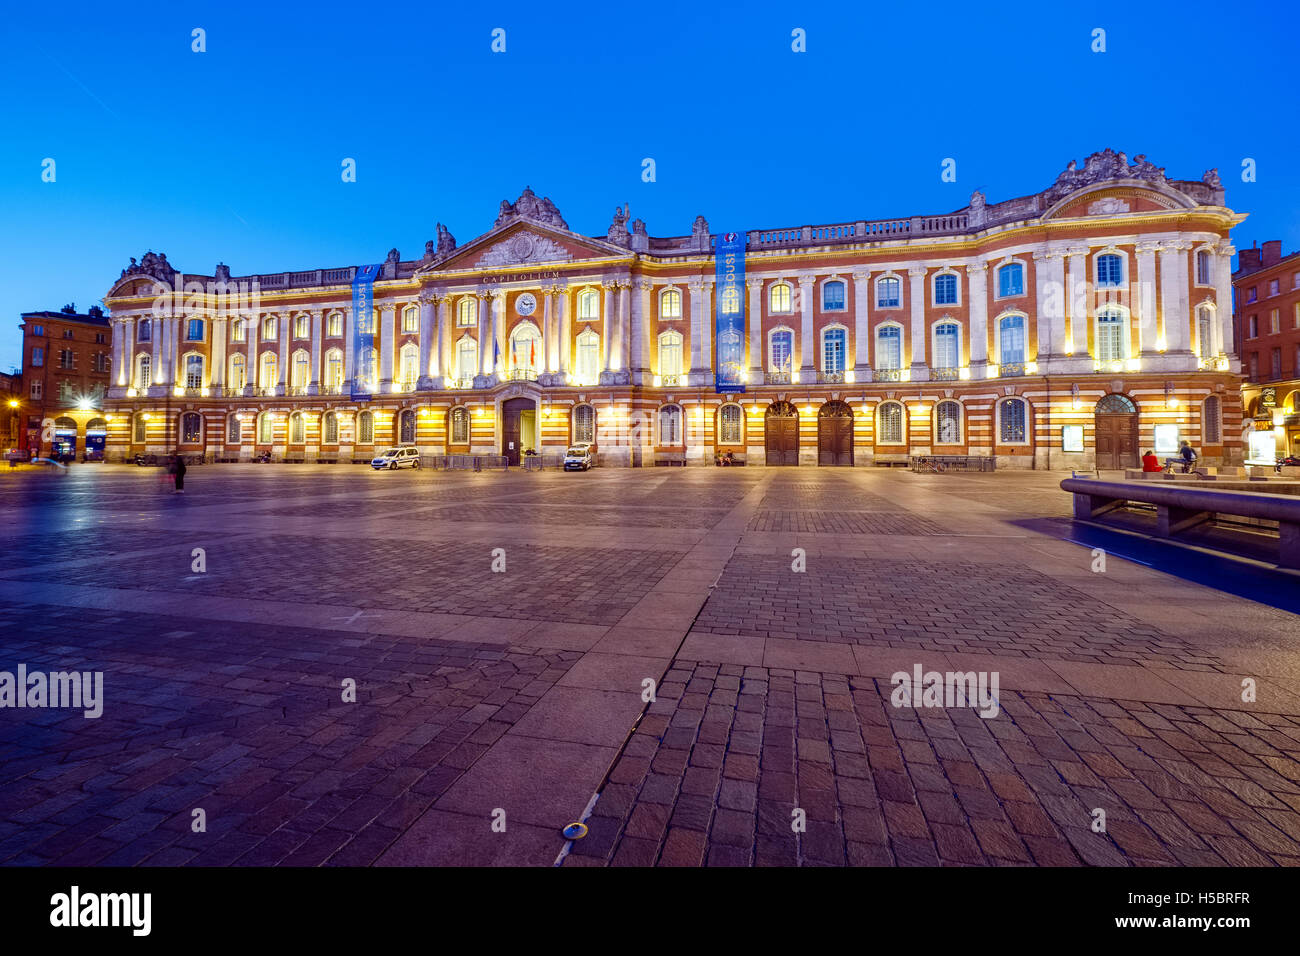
(1267,325)
(67,368)
(1072,326)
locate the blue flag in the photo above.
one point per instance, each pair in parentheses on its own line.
(363,331)
(729,256)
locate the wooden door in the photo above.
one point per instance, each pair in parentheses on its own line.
(510,427)
(835,434)
(781,434)
(1116,441)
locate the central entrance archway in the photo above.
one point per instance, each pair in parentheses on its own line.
(1116,431)
(518,427)
(835,434)
(781,434)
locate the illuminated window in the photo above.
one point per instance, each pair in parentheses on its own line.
(297,431)
(670,304)
(410,319)
(588,304)
(588,358)
(334,370)
(300,370)
(366,428)
(234,430)
(945,289)
(525,348)
(731,421)
(139,429)
(269,326)
(889,347)
(302,326)
(460,426)
(779,298)
(330,428)
(406,427)
(143,372)
(237,330)
(409,371)
(269,368)
(367,364)
(888,291)
(238,371)
(584,424)
(466,358)
(194,371)
(266,429)
(889,424)
(467,312)
(947,423)
(730,304)
(1203,268)
(336,324)
(670,425)
(670,354)
(1204,331)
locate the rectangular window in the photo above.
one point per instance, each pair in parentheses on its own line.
(40,329)
(336,325)
(99,338)
(37,389)
(1277,363)
(1253,327)
(269,328)
(945,346)
(781,352)
(1274,322)
(144,331)
(194,330)
(38,357)
(1252,294)
(67,333)
(66,358)
(1011,419)
(945,289)
(411,320)
(889,348)
(887,293)
(833,351)
(1203,268)
(1273,286)
(1011,280)
(301,326)
(833,296)
(237,330)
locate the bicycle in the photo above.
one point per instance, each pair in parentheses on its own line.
(933,465)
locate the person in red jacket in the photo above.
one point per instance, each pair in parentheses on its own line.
(1150,462)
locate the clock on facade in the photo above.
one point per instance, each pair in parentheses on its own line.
(526,304)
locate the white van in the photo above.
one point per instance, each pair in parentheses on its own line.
(404,456)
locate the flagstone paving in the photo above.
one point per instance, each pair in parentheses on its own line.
(700,657)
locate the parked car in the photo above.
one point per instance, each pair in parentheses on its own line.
(579,458)
(405,456)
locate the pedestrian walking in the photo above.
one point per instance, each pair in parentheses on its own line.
(180,474)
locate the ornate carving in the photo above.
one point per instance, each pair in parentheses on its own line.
(524,247)
(154,266)
(446,241)
(1211,179)
(222,273)
(1107,206)
(528,206)
(618,233)
(700,233)
(1102,166)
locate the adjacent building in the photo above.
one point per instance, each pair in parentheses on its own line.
(1267,326)
(67,367)
(1072,326)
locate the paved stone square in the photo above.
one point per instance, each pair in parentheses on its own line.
(500,631)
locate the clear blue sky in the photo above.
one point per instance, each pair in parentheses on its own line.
(234,154)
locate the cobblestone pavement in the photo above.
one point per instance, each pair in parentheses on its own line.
(501,630)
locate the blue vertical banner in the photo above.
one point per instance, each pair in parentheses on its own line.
(364,357)
(729,334)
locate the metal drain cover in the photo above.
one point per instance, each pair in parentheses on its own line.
(575,831)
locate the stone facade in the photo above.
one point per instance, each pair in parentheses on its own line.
(994,331)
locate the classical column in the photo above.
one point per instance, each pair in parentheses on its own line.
(642,333)
(446,338)
(1222,260)
(861,325)
(977,276)
(1049,276)
(566,333)
(697,334)
(429,357)
(754,330)
(156,376)
(122,330)
(608,326)
(1148,324)
(217,369)
(707,306)
(1174,298)
(286,323)
(313,383)
(387,348)
(916,303)
(624,325)
(1076,297)
(548,346)
(499,322)
(485,338)
(807,335)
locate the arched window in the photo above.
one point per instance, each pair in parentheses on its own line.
(945,289)
(410,319)
(335,328)
(670,356)
(238,372)
(889,347)
(297,430)
(333,370)
(888,292)
(1115,404)
(300,371)
(778,297)
(194,371)
(1011,280)
(833,298)
(234,430)
(139,429)
(731,425)
(459,426)
(409,368)
(367,366)
(406,427)
(889,424)
(947,423)
(194,330)
(1205,332)
(143,372)
(588,357)
(266,428)
(834,346)
(1110,271)
(782,351)
(467,311)
(588,305)
(330,428)
(525,347)
(947,345)
(238,330)
(1011,340)
(670,304)
(366,428)
(269,363)
(144,331)
(269,328)
(1011,421)
(1110,335)
(670,425)
(466,359)
(1203,274)
(1211,422)
(584,424)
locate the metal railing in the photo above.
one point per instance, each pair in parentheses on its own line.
(887,375)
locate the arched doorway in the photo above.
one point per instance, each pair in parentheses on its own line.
(1117,433)
(781,434)
(835,434)
(65,439)
(96,435)
(406,427)
(518,427)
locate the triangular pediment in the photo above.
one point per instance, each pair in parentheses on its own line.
(525,243)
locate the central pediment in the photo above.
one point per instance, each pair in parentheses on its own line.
(528,243)
(523,247)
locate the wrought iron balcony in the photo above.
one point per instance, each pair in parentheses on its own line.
(1011,369)
(830,378)
(522,375)
(460,383)
(670,380)
(887,375)
(777,378)
(945,374)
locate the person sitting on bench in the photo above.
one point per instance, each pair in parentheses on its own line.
(1188,456)
(1150,462)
